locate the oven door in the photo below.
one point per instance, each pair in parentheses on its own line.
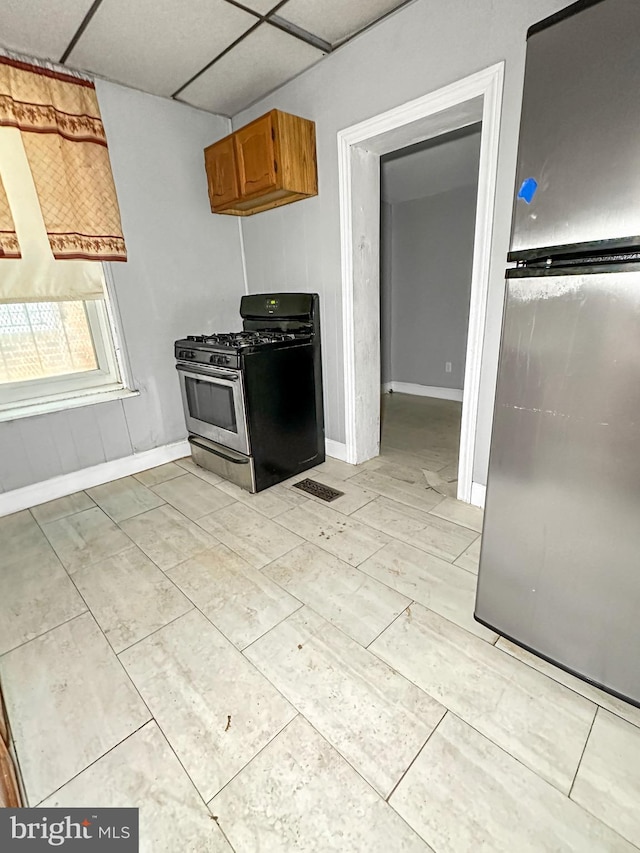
(213,400)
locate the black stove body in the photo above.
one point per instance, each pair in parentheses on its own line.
(253,399)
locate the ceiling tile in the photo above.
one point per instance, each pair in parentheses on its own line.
(334,20)
(157,45)
(39,29)
(262,61)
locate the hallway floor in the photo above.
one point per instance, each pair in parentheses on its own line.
(274,673)
(420,437)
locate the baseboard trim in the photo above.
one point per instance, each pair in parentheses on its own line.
(86,478)
(423,390)
(478,494)
(335,449)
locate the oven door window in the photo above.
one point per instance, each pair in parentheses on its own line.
(211,403)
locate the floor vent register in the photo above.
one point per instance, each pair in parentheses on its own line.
(318,490)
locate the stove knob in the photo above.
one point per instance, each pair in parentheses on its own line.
(186,353)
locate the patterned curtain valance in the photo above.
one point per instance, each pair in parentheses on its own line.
(65,144)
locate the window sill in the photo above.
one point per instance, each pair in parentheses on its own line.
(87,398)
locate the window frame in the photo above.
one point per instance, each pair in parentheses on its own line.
(111,377)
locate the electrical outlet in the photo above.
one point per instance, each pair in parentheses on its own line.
(447,367)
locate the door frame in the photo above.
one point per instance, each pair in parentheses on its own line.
(474,98)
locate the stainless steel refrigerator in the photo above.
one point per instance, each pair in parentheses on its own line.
(560,558)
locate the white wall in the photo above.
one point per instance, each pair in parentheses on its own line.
(184,275)
(432,255)
(433,166)
(424,46)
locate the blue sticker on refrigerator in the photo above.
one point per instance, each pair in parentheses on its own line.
(528,190)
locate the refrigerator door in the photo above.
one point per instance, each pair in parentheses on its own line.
(559,566)
(580,134)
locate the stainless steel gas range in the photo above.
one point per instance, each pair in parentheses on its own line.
(253,399)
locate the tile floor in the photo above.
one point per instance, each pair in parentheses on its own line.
(273,673)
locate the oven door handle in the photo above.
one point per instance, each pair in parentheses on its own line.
(204,371)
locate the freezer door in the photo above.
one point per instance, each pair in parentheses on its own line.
(559,566)
(580,133)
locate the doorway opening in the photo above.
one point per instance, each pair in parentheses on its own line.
(427,217)
(475,99)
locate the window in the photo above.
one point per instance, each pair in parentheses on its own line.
(53,351)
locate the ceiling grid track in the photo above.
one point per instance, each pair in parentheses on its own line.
(83,26)
(299,33)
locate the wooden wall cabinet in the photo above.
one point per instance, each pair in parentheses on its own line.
(267,163)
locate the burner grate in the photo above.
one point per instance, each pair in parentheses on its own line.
(318,490)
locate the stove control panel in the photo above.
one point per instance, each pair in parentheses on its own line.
(219,359)
(200,353)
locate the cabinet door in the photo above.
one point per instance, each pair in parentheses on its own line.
(255,148)
(222,178)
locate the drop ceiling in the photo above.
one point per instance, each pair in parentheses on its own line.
(218,55)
